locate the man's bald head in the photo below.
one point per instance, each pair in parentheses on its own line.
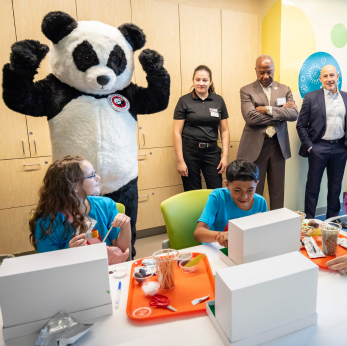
(264,58)
(265,69)
(329,78)
(327,68)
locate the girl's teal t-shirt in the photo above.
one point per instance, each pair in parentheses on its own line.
(220,208)
(102,209)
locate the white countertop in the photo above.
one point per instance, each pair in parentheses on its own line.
(197,329)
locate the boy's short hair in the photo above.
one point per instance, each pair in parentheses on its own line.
(242,170)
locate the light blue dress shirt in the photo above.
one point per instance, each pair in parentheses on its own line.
(335,115)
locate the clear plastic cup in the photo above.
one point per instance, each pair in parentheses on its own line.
(166,264)
(119,270)
(330,236)
(150,288)
(303,215)
(187,269)
(143,279)
(184,256)
(306,231)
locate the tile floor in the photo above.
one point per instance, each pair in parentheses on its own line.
(147,246)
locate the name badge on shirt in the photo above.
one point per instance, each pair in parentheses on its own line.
(281,101)
(214,112)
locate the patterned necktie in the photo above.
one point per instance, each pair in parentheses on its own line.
(270,130)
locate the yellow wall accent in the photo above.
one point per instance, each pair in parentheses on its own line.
(271,35)
(298,42)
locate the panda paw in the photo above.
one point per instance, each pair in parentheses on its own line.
(27,54)
(151,61)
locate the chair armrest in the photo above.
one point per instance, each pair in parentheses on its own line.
(165,244)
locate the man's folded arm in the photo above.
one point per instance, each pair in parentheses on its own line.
(286,114)
(251,116)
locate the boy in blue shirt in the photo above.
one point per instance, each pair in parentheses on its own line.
(237,199)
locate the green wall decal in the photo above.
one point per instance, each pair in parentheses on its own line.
(339,35)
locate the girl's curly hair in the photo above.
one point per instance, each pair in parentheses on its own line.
(58,195)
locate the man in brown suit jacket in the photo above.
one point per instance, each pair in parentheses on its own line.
(266,107)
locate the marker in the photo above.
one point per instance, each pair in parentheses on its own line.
(118,294)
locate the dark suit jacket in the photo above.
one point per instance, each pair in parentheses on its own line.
(312,121)
(252,139)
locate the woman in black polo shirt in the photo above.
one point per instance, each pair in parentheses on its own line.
(198,116)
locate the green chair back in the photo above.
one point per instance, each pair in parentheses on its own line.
(121,208)
(181,213)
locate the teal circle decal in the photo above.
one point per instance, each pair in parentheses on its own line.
(310,72)
(339,35)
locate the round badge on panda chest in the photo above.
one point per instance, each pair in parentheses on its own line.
(118,102)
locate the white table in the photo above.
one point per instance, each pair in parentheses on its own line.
(196,329)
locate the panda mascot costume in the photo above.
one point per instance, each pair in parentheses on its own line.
(89,99)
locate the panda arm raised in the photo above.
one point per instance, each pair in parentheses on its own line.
(46,97)
(155,97)
(20,93)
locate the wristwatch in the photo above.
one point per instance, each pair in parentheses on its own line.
(267,109)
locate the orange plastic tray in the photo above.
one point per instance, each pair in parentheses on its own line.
(321,262)
(188,286)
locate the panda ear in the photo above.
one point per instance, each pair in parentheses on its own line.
(134,35)
(56,25)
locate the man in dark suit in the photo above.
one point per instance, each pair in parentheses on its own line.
(266,107)
(322,131)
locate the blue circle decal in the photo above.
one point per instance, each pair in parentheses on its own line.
(310,72)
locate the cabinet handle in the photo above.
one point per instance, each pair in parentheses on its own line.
(23,147)
(35,146)
(143,196)
(144,139)
(33,164)
(141,154)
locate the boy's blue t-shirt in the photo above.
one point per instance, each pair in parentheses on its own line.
(220,208)
(102,209)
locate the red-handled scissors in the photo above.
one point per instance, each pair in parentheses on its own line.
(161,301)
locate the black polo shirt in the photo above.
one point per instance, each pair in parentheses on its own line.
(202,117)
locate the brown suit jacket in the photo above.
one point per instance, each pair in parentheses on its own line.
(252,96)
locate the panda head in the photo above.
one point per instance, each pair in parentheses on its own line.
(90,56)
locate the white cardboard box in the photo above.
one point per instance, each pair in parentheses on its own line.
(262,337)
(263,235)
(35,288)
(268,297)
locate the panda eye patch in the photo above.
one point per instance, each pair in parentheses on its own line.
(117,61)
(84,56)
(88,59)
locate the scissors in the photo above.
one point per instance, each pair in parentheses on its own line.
(161,301)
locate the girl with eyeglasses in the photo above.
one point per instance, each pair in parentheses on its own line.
(68,203)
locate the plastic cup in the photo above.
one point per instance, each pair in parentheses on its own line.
(166,264)
(150,291)
(303,215)
(306,231)
(187,269)
(142,280)
(330,236)
(184,256)
(119,271)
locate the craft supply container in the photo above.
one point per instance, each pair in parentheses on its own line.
(184,256)
(306,231)
(330,235)
(143,279)
(166,264)
(187,269)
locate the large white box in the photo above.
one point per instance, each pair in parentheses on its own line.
(263,235)
(267,297)
(35,288)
